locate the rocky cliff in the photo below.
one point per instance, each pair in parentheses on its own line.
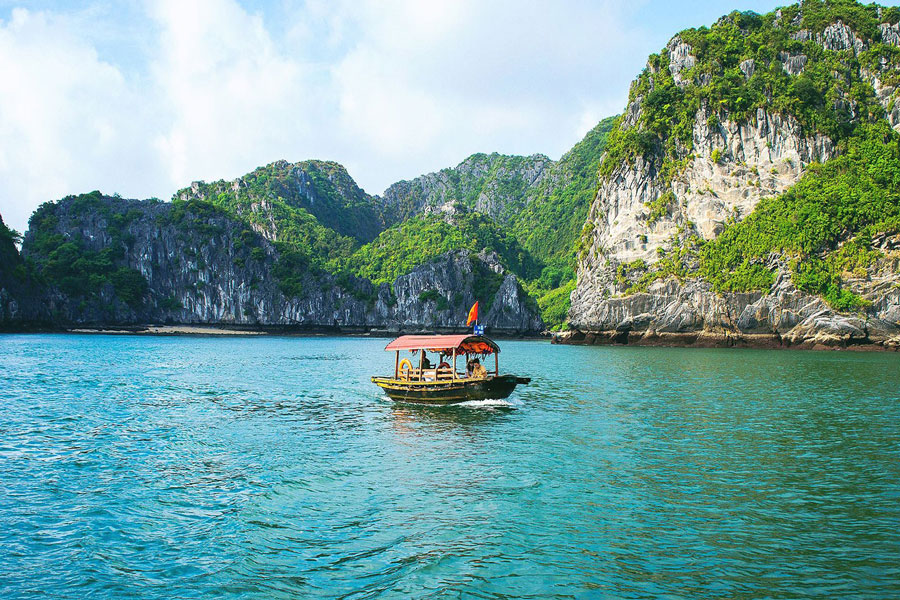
(110,261)
(725,124)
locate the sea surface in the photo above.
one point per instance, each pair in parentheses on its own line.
(270,467)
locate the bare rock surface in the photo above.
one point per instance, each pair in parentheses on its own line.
(205,269)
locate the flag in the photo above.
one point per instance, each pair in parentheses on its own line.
(473,314)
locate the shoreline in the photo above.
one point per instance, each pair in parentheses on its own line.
(220,330)
(723,340)
(699,339)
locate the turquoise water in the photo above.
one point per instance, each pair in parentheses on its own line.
(272,468)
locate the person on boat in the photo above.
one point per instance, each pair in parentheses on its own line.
(470,364)
(478,370)
(426,364)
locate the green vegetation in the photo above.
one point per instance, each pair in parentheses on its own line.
(130,285)
(298,197)
(297,229)
(550,223)
(289,269)
(8,237)
(67,264)
(829,96)
(416,241)
(635,277)
(660,207)
(440,301)
(825,222)
(11,263)
(498,176)
(555,304)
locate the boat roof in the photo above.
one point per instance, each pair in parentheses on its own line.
(473,344)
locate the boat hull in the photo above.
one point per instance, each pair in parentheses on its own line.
(450,392)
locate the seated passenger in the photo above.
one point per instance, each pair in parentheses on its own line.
(478,370)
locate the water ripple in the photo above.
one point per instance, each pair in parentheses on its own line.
(272,468)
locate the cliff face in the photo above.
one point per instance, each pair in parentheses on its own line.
(143,262)
(732,166)
(691,312)
(689,176)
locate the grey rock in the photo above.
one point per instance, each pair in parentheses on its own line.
(204,269)
(680,59)
(793,64)
(692,310)
(890,34)
(755,158)
(839,36)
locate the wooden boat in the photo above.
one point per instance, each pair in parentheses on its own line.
(444,384)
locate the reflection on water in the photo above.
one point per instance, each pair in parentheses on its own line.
(273,468)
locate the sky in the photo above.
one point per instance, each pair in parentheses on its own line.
(141,97)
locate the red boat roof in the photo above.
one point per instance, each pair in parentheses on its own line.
(474,344)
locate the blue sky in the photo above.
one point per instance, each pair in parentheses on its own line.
(141,97)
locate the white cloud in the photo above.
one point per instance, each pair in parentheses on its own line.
(233,101)
(69,121)
(426,84)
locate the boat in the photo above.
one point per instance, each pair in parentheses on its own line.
(417,381)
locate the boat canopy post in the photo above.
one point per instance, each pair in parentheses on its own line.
(496,363)
(421,364)
(453,375)
(397,366)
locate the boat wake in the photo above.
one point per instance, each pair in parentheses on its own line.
(473,404)
(488,404)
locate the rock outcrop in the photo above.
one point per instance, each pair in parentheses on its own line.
(734,165)
(642,213)
(199,265)
(690,312)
